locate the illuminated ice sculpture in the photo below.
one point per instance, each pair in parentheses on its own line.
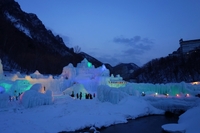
(86,74)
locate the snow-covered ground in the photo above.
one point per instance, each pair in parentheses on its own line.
(70,114)
(189,122)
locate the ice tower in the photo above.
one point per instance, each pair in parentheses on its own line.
(69,71)
(85,64)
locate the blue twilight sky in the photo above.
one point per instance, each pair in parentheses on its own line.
(120,31)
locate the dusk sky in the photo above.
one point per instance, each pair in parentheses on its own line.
(120,31)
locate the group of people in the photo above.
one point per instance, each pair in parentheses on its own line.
(80,95)
(15,97)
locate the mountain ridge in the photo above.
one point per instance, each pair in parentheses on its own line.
(26,45)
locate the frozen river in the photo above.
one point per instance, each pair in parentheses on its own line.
(148,124)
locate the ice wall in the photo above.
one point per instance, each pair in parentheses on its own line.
(57,85)
(13,88)
(109,94)
(36,97)
(89,84)
(69,71)
(114,95)
(170,88)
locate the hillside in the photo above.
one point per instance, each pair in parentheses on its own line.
(170,69)
(26,45)
(124,70)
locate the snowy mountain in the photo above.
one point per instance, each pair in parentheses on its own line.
(26,45)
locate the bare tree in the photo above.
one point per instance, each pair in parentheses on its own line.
(77,49)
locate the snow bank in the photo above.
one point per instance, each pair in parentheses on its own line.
(68,114)
(173,103)
(188,122)
(36,97)
(4,98)
(109,94)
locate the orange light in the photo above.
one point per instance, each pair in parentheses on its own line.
(177,95)
(195,83)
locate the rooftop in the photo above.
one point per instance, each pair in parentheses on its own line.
(188,41)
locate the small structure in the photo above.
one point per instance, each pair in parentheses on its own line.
(189,45)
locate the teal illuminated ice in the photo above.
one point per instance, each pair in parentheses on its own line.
(15,87)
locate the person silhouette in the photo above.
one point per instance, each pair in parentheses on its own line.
(77,95)
(72,95)
(80,95)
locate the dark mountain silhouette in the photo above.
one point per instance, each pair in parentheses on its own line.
(184,67)
(26,45)
(124,70)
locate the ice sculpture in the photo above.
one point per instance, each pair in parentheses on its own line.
(36,75)
(110,94)
(36,97)
(76,88)
(69,71)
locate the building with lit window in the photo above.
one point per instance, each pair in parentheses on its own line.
(189,45)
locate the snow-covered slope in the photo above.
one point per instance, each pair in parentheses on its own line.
(27,45)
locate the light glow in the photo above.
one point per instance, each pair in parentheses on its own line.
(89,64)
(195,83)
(6,86)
